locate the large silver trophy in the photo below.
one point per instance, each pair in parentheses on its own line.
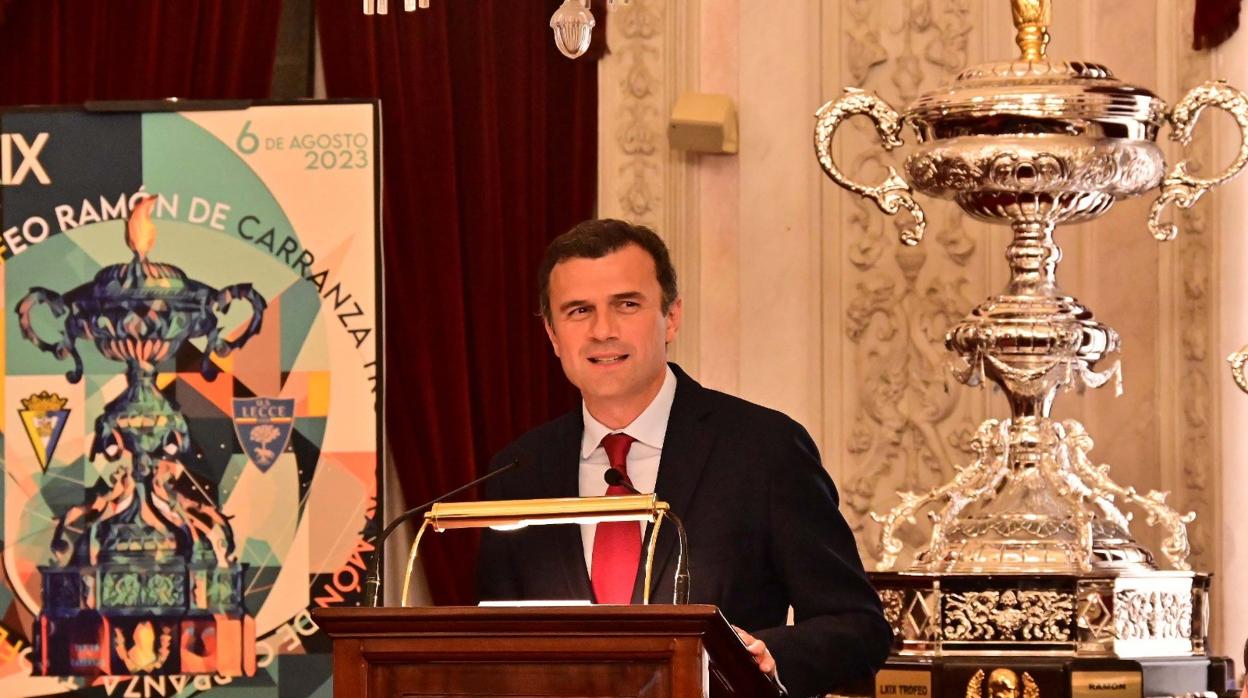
(1031,553)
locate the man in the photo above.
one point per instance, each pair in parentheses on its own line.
(761,513)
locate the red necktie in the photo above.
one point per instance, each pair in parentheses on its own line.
(617,544)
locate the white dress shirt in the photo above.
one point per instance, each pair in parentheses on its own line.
(643,456)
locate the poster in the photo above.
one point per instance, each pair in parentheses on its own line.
(191,373)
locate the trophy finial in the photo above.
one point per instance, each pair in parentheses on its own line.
(140,230)
(1031,19)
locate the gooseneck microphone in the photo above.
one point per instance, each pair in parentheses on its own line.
(372,581)
(680,596)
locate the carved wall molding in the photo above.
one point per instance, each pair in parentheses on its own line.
(1187,327)
(1195,317)
(640,144)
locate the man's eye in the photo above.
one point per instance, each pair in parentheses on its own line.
(578,311)
(630,304)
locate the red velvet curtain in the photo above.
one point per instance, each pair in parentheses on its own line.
(71,51)
(489,152)
(1213,22)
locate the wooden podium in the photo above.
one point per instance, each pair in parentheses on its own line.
(583,651)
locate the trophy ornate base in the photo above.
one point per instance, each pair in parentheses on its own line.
(1129,633)
(127,618)
(1122,614)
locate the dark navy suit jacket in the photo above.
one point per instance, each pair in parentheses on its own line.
(763,526)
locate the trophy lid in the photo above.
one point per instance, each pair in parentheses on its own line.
(1036,95)
(140,278)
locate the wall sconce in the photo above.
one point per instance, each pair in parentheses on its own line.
(573,25)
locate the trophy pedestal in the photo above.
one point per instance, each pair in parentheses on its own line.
(1124,614)
(1051,677)
(1132,633)
(125,618)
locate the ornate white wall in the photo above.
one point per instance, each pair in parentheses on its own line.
(799,296)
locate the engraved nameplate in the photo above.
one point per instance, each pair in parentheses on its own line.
(1105,684)
(903,683)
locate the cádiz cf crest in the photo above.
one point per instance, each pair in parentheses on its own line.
(44,416)
(263,426)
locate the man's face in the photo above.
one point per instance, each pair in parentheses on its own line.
(608,328)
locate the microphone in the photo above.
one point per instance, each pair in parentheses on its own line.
(372,581)
(615,478)
(680,596)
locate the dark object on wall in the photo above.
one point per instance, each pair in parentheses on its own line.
(1214,22)
(294,65)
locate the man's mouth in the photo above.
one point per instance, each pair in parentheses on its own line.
(608,359)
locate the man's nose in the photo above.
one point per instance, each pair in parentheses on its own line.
(604,326)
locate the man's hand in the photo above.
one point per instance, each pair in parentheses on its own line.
(762,655)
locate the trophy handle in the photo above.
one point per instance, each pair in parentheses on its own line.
(62,349)
(1238,361)
(222,346)
(894,193)
(1180,187)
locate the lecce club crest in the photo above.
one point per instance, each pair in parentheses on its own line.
(263,426)
(44,416)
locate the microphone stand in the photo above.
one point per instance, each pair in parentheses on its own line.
(372,581)
(680,595)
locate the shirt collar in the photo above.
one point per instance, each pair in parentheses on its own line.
(649,428)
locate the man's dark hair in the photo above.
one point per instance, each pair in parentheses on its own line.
(598,238)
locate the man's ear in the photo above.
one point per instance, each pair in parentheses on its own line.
(673,320)
(550,334)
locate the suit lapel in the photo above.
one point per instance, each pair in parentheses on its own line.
(560,476)
(686,451)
